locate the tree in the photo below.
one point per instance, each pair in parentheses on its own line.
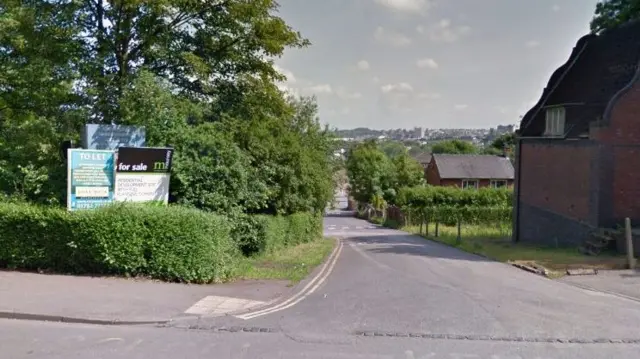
(612,13)
(392,148)
(369,171)
(454,147)
(407,172)
(504,142)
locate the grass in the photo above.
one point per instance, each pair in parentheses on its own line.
(291,263)
(495,242)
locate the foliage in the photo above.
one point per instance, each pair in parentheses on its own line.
(447,205)
(435,196)
(369,171)
(169,243)
(392,148)
(612,13)
(454,147)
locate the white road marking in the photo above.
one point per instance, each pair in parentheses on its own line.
(311,287)
(215,305)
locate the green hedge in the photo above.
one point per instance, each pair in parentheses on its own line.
(450,216)
(169,243)
(261,233)
(436,196)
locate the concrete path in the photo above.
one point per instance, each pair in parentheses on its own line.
(624,283)
(87,299)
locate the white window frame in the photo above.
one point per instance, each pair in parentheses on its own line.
(494,183)
(554,121)
(466,182)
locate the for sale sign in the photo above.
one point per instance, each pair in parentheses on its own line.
(143,174)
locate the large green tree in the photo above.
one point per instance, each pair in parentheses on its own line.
(454,147)
(369,171)
(612,13)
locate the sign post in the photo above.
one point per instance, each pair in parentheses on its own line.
(143,174)
(90,178)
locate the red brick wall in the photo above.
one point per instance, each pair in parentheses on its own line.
(623,134)
(431,173)
(555,176)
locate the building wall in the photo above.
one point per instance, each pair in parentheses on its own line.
(557,194)
(621,137)
(431,173)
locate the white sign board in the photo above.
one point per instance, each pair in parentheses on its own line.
(142,187)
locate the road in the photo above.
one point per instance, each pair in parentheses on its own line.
(389,295)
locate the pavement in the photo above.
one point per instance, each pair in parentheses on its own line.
(106,300)
(623,283)
(382,294)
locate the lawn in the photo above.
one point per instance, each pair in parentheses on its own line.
(291,263)
(495,242)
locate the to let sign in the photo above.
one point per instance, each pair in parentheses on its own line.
(90,178)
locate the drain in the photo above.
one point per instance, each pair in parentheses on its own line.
(220,329)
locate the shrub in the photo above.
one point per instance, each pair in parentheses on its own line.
(169,243)
(468,215)
(255,234)
(435,196)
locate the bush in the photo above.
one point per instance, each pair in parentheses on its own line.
(169,243)
(435,196)
(467,215)
(255,234)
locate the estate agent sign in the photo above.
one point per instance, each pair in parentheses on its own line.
(90,178)
(143,174)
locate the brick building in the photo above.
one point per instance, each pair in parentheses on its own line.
(469,171)
(578,148)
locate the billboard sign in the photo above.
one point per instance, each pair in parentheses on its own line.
(111,137)
(90,178)
(143,174)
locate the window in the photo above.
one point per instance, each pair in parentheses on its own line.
(498,183)
(555,121)
(466,184)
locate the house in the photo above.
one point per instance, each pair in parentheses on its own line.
(578,149)
(423,158)
(469,171)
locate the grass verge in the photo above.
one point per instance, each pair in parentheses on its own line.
(494,242)
(290,263)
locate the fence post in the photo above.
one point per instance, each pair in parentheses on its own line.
(629,240)
(436,228)
(421,221)
(459,238)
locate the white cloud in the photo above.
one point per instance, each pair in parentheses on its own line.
(344,94)
(321,89)
(503,110)
(363,65)
(532,43)
(375,79)
(555,8)
(443,31)
(406,6)
(429,96)
(288,74)
(427,62)
(461,107)
(399,87)
(391,37)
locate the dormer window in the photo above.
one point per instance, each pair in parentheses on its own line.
(555,121)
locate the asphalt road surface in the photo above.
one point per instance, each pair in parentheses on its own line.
(389,295)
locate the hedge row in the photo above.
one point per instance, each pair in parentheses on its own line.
(170,243)
(436,196)
(450,216)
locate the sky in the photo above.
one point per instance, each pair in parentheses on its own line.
(388,64)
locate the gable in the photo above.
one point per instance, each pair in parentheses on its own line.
(599,66)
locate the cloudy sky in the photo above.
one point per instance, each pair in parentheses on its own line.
(430,63)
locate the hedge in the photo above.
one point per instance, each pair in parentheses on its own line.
(169,243)
(450,216)
(436,196)
(261,233)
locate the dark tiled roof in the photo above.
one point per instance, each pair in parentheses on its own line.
(423,157)
(599,66)
(473,166)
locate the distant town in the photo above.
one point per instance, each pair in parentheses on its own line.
(479,137)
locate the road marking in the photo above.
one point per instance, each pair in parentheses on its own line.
(216,305)
(311,287)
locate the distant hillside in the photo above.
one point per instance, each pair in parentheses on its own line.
(358,133)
